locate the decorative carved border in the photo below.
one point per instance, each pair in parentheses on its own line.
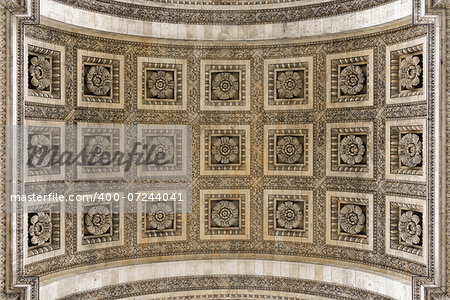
(117,69)
(335,62)
(393,56)
(271,232)
(240,68)
(334,132)
(179,69)
(230,282)
(394,170)
(242,200)
(229,295)
(57,54)
(53,132)
(333,237)
(271,66)
(115,236)
(226,17)
(393,245)
(271,132)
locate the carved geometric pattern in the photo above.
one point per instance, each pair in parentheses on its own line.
(161,83)
(45,73)
(350,79)
(162,220)
(224,150)
(288,215)
(44,231)
(406,228)
(257,181)
(350,220)
(350,150)
(100,80)
(288,150)
(288,83)
(224,214)
(99,224)
(99,145)
(225,85)
(166,148)
(406,72)
(406,150)
(44,141)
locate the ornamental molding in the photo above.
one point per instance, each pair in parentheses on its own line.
(350,79)
(101,80)
(100,225)
(54,92)
(224,16)
(407,55)
(161,83)
(238,282)
(295,90)
(350,219)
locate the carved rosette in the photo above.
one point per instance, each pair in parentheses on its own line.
(40,229)
(161,85)
(95,147)
(98,220)
(100,78)
(349,79)
(98,81)
(352,149)
(225,214)
(352,80)
(40,72)
(225,150)
(410,72)
(406,223)
(410,150)
(406,63)
(289,150)
(44,73)
(410,228)
(161,150)
(289,85)
(40,150)
(160,216)
(289,215)
(225,86)
(352,219)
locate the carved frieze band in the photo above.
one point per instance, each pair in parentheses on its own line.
(230,282)
(221,16)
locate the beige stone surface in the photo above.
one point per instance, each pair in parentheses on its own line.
(369,18)
(397,289)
